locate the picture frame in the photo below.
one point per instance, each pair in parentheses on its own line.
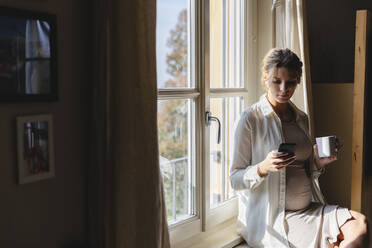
(35,146)
(28,56)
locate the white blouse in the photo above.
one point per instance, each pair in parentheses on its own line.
(262,199)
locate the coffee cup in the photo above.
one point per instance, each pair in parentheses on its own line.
(326,146)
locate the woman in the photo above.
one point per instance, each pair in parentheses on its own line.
(280,202)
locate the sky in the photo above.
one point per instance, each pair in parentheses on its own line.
(167,15)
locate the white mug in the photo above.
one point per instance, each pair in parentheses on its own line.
(326,146)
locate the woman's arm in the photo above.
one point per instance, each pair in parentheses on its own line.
(244,175)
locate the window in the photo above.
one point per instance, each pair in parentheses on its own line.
(201,59)
(226,74)
(176,107)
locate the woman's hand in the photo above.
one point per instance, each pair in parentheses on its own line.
(322,162)
(274,161)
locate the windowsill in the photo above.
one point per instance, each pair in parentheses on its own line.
(223,235)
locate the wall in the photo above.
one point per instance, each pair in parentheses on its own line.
(333,109)
(331,29)
(51,213)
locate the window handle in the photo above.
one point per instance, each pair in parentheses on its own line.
(208,119)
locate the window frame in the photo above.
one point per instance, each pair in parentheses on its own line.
(228,209)
(206,217)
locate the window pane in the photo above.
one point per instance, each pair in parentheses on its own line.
(228,111)
(173,44)
(226,44)
(37,77)
(175,134)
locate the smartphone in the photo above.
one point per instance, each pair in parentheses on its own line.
(289,148)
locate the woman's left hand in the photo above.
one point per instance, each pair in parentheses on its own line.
(322,162)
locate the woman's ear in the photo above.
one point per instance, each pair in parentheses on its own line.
(265,77)
(264,83)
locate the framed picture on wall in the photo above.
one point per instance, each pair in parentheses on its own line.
(35,148)
(28,56)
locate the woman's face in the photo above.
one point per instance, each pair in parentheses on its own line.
(280,85)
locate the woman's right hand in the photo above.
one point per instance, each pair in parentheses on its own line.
(275,161)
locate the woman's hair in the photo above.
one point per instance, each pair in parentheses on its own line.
(278,57)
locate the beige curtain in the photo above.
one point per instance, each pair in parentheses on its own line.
(291,32)
(125,192)
(135,210)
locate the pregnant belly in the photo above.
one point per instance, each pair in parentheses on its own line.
(298,190)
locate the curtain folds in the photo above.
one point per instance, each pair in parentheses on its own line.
(37,45)
(291,32)
(129,208)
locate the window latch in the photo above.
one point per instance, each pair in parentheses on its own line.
(208,119)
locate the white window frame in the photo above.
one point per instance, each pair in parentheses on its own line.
(205,217)
(229,208)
